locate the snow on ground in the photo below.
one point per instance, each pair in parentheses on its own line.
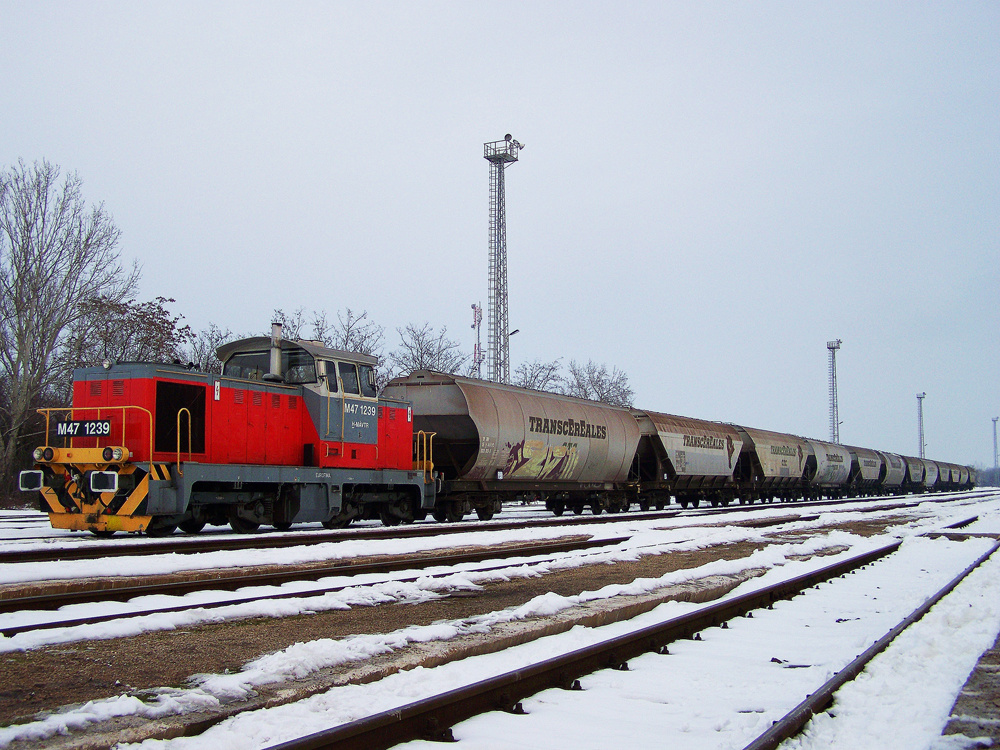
(716,693)
(367,590)
(706,697)
(646,537)
(154,564)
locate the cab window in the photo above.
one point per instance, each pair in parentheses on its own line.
(248,366)
(349,377)
(367,373)
(298,366)
(331,376)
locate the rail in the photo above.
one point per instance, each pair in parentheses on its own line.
(798,717)
(86,593)
(101,410)
(433,717)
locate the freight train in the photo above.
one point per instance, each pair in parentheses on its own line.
(294,432)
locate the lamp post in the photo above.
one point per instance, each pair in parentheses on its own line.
(995,442)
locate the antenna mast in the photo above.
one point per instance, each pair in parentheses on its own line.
(920,421)
(833,346)
(477,352)
(500,155)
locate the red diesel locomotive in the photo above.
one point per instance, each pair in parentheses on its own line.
(291,431)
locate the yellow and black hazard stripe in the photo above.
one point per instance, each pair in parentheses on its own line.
(159,472)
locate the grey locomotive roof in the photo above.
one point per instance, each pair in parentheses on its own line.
(263,343)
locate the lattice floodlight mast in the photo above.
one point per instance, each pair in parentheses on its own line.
(833,346)
(920,421)
(500,155)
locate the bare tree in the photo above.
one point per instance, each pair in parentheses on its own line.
(203,346)
(351,332)
(125,332)
(291,324)
(55,255)
(424,349)
(594,382)
(541,376)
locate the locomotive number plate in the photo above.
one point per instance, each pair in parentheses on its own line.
(84,428)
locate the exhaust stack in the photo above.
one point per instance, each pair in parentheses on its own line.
(276,373)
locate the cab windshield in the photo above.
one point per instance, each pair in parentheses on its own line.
(297,366)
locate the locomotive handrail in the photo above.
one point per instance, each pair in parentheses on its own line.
(67,440)
(424,444)
(179,412)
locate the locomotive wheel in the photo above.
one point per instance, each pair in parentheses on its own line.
(164,530)
(102,533)
(484,514)
(243,526)
(283,526)
(191,526)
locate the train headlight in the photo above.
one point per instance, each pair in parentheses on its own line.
(107,454)
(37,455)
(117,454)
(48,454)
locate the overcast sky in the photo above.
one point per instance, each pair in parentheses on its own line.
(708,193)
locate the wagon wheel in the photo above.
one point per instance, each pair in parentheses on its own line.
(387,518)
(283,525)
(440,514)
(484,514)
(242,525)
(191,526)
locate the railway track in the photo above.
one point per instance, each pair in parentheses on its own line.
(795,720)
(84,550)
(433,717)
(85,594)
(687,651)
